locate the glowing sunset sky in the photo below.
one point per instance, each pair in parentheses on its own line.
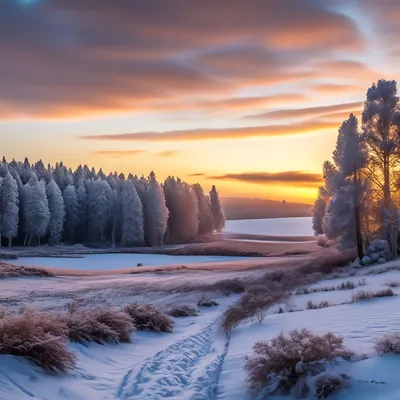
(248,94)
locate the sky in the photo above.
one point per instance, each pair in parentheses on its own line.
(244,94)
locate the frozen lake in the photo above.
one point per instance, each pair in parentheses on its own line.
(116,261)
(301,226)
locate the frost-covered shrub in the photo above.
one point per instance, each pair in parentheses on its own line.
(366,260)
(389,343)
(365,295)
(329,383)
(39,337)
(183,311)
(99,325)
(323,241)
(149,317)
(229,286)
(206,301)
(279,365)
(251,307)
(381,260)
(7,270)
(346,286)
(312,306)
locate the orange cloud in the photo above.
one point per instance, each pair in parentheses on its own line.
(220,133)
(168,153)
(286,178)
(308,111)
(118,153)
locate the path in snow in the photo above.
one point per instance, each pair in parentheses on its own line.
(187,369)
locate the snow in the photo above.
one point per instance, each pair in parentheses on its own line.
(301,226)
(117,261)
(198,361)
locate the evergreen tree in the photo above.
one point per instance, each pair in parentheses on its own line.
(218,214)
(206,221)
(36,210)
(71,213)
(132,216)
(57,212)
(9,211)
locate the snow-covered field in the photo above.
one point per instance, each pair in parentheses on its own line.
(301,226)
(116,261)
(198,361)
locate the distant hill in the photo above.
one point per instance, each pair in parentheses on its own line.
(246,208)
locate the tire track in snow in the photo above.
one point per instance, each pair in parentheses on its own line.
(188,369)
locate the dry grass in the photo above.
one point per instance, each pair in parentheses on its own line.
(229,286)
(312,306)
(206,301)
(12,271)
(252,306)
(149,317)
(38,337)
(389,343)
(304,291)
(183,311)
(98,325)
(349,285)
(284,361)
(365,295)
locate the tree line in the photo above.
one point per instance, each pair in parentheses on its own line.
(56,205)
(360,200)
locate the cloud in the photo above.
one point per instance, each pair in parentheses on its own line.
(196,174)
(168,153)
(286,178)
(337,88)
(307,112)
(220,133)
(59,61)
(118,153)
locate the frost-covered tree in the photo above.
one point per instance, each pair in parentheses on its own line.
(71,213)
(36,210)
(9,211)
(380,124)
(318,211)
(183,220)
(132,216)
(206,220)
(81,195)
(218,214)
(156,212)
(57,212)
(97,206)
(343,220)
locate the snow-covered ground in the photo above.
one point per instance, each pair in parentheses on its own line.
(116,261)
(301,226)
(198,361)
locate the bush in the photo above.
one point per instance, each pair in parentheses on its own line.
(229,286)
(364,295)
(252,305)
(312,306)
(281,363)
(183,311)
(329,383)
(389,343)
(346,286)
(149,317)
(206,301)
(100,325)
(322,241)
(32,335)
(393,284)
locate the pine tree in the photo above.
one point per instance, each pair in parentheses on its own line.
(9,208)
(132,216)
(71,213)
(206,221)
(36,210)
(57,212)
(218,214)
(156,212)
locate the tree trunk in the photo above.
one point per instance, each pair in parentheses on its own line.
(10,242)
(357,219)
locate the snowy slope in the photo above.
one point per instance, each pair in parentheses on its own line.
(198,361)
